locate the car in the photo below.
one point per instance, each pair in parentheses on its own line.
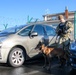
(17,44)
(73,55)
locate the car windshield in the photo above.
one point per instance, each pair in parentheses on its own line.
(12,29)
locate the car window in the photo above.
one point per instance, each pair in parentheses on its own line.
(26,31)
(39,29)
(12,29)
(50,31)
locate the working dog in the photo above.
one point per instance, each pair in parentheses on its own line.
(49,52)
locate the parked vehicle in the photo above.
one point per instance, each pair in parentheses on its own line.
(18,44)
(73,54)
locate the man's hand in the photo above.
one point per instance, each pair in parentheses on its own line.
(65,32)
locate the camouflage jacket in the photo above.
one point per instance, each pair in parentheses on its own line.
(68,27)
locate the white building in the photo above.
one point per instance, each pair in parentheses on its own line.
(54,17)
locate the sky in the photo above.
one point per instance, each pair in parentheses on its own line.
(15,12)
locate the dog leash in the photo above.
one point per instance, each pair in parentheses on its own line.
(52,39)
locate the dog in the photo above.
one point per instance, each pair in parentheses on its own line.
(50,52)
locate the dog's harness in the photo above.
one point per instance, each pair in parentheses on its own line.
(48,51)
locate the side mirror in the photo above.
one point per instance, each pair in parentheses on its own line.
(34,34)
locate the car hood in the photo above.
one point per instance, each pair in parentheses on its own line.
(4,36)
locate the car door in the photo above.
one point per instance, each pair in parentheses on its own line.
(33,41)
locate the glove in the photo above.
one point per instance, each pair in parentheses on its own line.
(59,32)
(65,32)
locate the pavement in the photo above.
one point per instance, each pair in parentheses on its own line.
(34,67)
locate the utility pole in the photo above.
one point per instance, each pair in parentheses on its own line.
(75,25)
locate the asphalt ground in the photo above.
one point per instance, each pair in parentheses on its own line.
(35,67)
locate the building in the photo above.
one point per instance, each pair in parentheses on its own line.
(54,17)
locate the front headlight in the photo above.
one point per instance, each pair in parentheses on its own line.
(73,46)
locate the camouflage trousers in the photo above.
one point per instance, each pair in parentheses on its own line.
(64,42)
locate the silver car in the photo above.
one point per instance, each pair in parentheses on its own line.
(18,44)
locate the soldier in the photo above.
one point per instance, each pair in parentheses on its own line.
(64,30)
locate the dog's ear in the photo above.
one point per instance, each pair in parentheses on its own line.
(43,45)
(38,45)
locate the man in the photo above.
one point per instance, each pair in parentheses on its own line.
(64,30)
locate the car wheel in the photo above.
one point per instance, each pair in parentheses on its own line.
(16,57)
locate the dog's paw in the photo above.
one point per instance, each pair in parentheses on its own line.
(48,68)
(44,66)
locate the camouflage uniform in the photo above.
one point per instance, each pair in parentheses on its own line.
(64,38)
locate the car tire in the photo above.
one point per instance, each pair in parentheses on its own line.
(16,57)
